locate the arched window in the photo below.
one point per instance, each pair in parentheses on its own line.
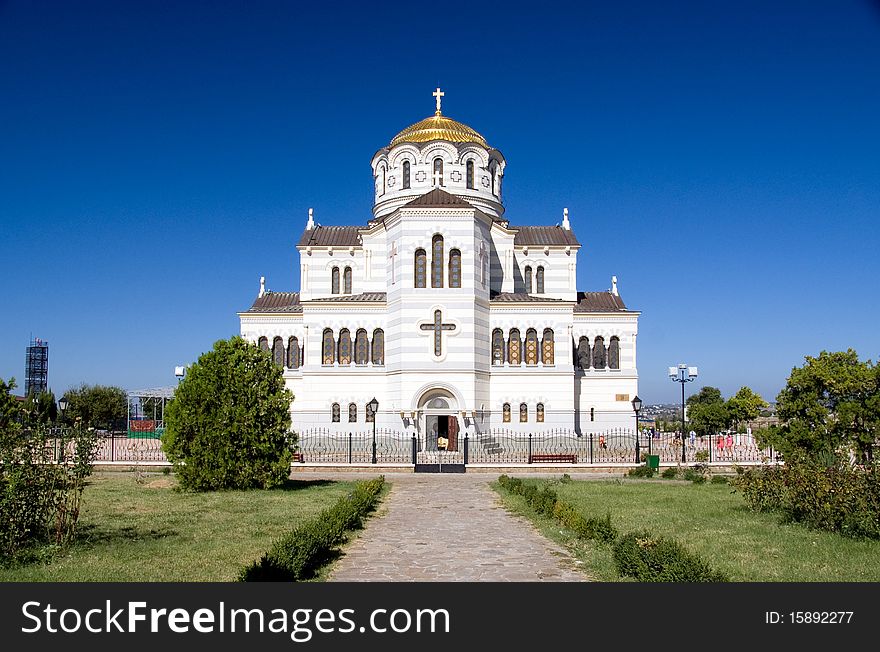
(600,355)
(328,348)
(334,281)
(379,346)
(505,413)
(539,280)
(437,261)
(263,343)
(523,413)
(547,347)
(368,412)
(361,347)
(497,346)
(531,347)
(493,181)
(278,351)
(614,353)
(344,346)
(438,171)
(528,279)
(382,180)
(514,351)
(352,412)
(293,353)
(539,412)
(583,353)
(405,175)
(421,269)
(470,174)
(334,413)
(454,268)
(346,281)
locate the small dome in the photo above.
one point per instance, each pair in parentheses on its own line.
(438,127)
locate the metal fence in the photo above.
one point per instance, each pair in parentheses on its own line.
(496,446)
(503,446)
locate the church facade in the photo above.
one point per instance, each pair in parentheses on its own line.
(451,317)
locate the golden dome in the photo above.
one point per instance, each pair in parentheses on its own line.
(438,127)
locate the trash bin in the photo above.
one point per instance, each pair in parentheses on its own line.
(653,461)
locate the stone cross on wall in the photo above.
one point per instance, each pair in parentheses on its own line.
(438,94)
(391,255)
(438,327)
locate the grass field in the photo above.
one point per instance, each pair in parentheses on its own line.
(148,532)
(714,522)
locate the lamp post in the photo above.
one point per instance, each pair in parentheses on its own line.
(637,407)
(62,406)
(374,407)
(682,374)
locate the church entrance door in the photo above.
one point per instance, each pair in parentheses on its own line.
(441,432)
(441,425)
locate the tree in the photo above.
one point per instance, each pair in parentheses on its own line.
(707,412)
(10,406)
(833,401)
(97,406)
(745,405)
(228,426)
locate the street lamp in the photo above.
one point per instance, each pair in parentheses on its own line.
(374,407)
(62,406)
(682,374)
(637,407)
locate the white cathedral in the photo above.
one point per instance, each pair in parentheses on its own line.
(451,317)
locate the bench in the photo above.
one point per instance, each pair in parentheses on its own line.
(298,457)
(552,457)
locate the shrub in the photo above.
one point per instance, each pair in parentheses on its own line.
(297,555)
(40,499)
(701,456)
(641,472)
(649,558)
(669,473)
(228,426)
(695,475)
(840,499)
(719,479)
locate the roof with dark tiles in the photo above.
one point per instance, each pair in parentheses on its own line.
(540,236)
(599,302)
(277,302)
(364,296)
(331,236)
(522,297)
(437,198)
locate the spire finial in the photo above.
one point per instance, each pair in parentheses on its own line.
(311,223)
(438,94)
(614,286)
(262,285)
(565,223)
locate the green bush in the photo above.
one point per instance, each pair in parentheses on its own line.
(228,426)
(649,558)
(297,555)
(840,498)
(42,478)
(695,475)
(719,479)
(701,456)
(641,472)
(669,473)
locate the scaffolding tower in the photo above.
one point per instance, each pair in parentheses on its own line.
(36,367)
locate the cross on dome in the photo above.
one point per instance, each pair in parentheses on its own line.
(438,94)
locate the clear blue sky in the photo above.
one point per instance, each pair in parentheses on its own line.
(721,158)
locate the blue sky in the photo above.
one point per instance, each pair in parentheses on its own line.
(722,159)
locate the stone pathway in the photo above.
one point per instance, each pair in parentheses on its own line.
(439,528)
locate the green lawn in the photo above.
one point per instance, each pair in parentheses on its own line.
(714,522)
(148,532)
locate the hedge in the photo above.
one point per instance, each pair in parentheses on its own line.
(842,498)
(640,555)
(297,555)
